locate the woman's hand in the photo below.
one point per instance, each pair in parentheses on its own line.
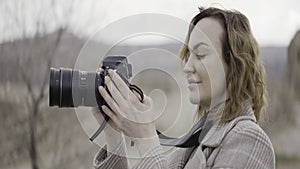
(126,112)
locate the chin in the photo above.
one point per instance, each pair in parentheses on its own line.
(195,100)
(199,101)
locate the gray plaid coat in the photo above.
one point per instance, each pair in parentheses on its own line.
(240,143)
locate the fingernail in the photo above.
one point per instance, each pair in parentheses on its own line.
(106,79)
(100,88)
(99,70)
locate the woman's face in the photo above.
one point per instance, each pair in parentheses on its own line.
(205,68)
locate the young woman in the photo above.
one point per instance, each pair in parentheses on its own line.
(225,78)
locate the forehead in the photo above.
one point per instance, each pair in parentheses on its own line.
(208,30)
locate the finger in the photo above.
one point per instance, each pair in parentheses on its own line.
(122,86)
(111,103)
(99,70)
(111,115)
(117,96)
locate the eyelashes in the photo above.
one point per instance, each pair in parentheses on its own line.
(199,56)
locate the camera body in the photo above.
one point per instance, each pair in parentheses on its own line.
(73,88)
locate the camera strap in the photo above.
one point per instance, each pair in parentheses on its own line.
(190,139)
(135,88)
(101,127)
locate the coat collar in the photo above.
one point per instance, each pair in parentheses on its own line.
(218,130)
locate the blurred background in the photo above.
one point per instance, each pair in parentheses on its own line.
(38,34)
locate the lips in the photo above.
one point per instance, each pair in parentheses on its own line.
(193,81)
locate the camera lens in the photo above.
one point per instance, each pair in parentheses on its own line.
(72,88)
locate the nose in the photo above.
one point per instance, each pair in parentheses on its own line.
(189,67)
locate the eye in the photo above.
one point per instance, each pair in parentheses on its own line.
(200,56)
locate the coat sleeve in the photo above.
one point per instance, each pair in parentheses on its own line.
(153,158)
(245,147)
(113,160)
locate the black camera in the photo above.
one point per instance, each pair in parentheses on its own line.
(73,88)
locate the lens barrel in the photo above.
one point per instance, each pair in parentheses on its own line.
(73,88)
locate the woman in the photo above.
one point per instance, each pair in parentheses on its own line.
(226,79)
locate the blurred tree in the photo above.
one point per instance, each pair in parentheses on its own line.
(33,62)
(36,80)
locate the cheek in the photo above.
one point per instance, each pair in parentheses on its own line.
(201,70)
(205,89)
(214,75)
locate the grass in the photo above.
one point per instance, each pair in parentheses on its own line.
(287,159)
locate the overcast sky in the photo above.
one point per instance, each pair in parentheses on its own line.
(274,22)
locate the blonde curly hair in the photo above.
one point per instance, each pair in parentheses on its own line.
(245,79)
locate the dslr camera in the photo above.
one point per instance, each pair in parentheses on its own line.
(73,88)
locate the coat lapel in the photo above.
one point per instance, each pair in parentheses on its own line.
(218,131)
